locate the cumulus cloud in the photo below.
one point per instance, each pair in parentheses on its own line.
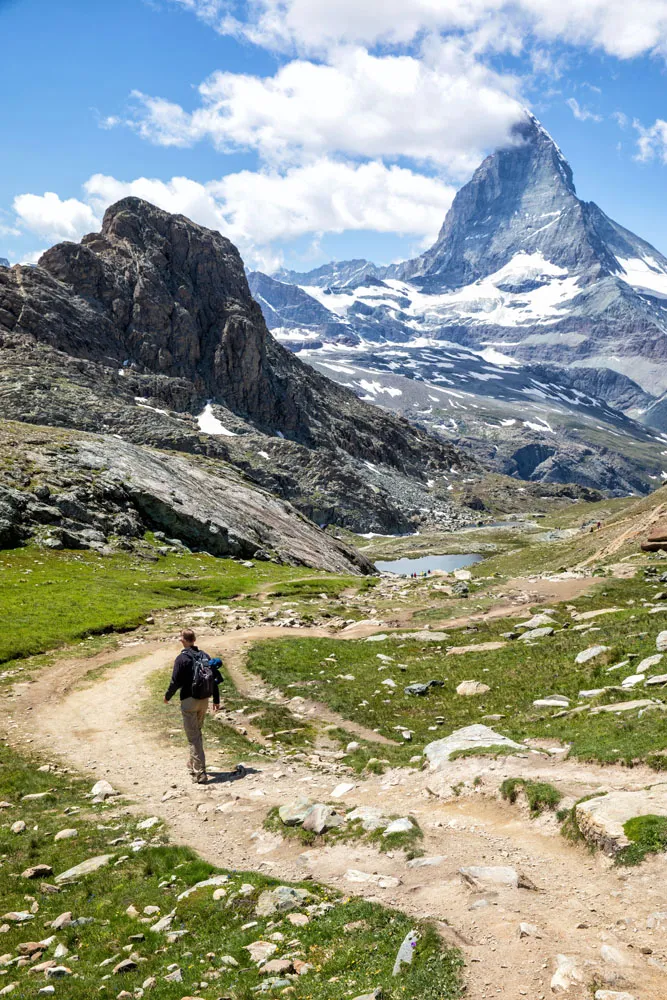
(445,107)
(256,210)
(619,28)
(580,113)
(53,218)
(652,141)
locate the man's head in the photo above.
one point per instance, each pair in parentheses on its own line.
(188,637)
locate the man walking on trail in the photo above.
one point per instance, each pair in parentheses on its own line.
(198,678)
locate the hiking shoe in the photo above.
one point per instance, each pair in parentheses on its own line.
(200,779)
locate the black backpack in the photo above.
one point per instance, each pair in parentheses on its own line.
(202,674)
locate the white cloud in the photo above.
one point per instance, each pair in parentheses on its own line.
(652,141)
(55,219)
(580,113)
(617,27)
(445,107)
(258,210)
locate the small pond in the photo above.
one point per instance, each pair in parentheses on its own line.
(448,564)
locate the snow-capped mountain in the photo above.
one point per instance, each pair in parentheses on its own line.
(529,300)
(521,264)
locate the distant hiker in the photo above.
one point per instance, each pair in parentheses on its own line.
(198,678)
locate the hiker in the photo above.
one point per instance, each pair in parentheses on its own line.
(198,678)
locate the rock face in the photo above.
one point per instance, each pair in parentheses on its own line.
(601,819)
(135,328)
(99,492)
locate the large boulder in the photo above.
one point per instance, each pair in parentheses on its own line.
(470,737)
(601,819)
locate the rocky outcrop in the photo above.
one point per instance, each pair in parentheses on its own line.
(131,331)
(97,492)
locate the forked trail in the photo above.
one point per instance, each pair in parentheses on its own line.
(581,902)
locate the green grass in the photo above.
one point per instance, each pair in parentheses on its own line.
(517,674)
(345,963)
(540,795)
(648,835)
(52,598)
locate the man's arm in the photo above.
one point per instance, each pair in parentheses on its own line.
(176,678)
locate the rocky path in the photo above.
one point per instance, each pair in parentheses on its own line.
(581,908)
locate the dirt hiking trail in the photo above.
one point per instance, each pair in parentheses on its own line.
(580,904)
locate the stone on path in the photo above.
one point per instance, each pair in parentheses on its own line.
(437,859)
(405,952)
(566,975)
(294,813)
(529,930)
(477,735)
(214,881)
(371,818)
(381,881)
(102,790)
(342,789)
(612,995)
(601,819)
(470,688)
(402,825)
(322,818)
(484,876)
(591,653)
(85,868)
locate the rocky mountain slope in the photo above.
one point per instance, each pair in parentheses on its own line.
(148,330)
(524,275)
(65,489)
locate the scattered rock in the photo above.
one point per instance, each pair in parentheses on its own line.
(612,995)
(67,834)
(403,825)
(18,916)
(591,653)
(127,965)
(18,826)
(342,789)
(282,899)
(215,880)
(406,952)
(647,663)
(371,818)
(58,972)
(467,738)
(260,951)
(277,967)
(552,701)
(483,876)
(628,706)
(480,647)
(601,819)
(37,871)
(381,881)
(470,688)
(102,790)
(538,633)
(529,930)
(661,642)
(322,818)
(566,975)
(85,868)
(294,813)
(657,680)
(420,689)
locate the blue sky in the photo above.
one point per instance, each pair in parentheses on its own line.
(306,131)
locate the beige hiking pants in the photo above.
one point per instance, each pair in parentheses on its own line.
(194,713)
